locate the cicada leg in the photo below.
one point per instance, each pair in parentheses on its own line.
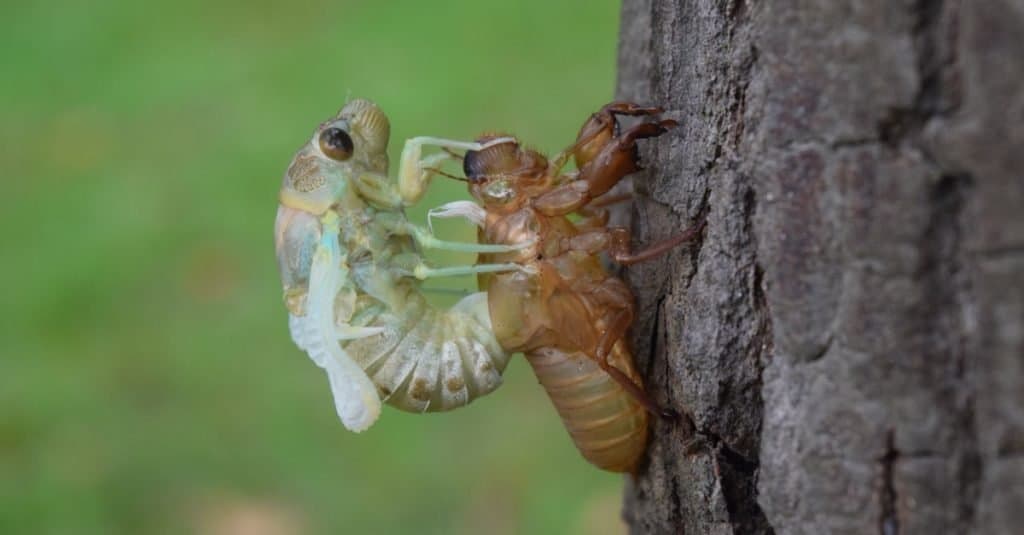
(614,334)
(411,264)
(398,225)
(616,159)
(378,189)
(415,171)
(597,131)
(621,251)
(424,271)
(428,241)
(594,216)
(617,242)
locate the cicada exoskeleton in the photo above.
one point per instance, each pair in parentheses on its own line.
(566,312)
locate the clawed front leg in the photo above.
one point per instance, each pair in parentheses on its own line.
(597,131)
(616,159)
(415,171)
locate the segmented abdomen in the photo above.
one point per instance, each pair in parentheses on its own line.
(607,425)
(432,360)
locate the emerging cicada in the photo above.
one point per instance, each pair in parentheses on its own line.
(566,312)
(351,269)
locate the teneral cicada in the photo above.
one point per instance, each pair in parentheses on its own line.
(566,312)
(351,268)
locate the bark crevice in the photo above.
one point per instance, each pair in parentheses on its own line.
(888,522)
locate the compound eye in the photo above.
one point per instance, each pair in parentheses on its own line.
(336,144)
(473,167)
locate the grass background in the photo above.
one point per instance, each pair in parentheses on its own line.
(147,382)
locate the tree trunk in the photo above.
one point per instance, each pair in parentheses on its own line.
(848,337)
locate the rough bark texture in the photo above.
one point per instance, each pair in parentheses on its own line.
(848,337)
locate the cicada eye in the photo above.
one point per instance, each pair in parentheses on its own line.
(473,167)
(336,144)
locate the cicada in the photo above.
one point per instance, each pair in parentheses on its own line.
(351,268)
(567,313)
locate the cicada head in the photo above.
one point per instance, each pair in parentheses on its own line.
(353,142)
(499,175)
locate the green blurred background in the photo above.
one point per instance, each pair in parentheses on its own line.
(147,381)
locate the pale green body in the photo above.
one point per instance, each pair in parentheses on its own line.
(351,272)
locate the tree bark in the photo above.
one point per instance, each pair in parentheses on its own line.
(848,336)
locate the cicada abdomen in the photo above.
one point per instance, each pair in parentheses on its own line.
(427,359)
(608,425)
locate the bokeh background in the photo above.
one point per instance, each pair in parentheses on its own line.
(147,382)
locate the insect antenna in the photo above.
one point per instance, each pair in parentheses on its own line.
(442,173)
(452,153)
